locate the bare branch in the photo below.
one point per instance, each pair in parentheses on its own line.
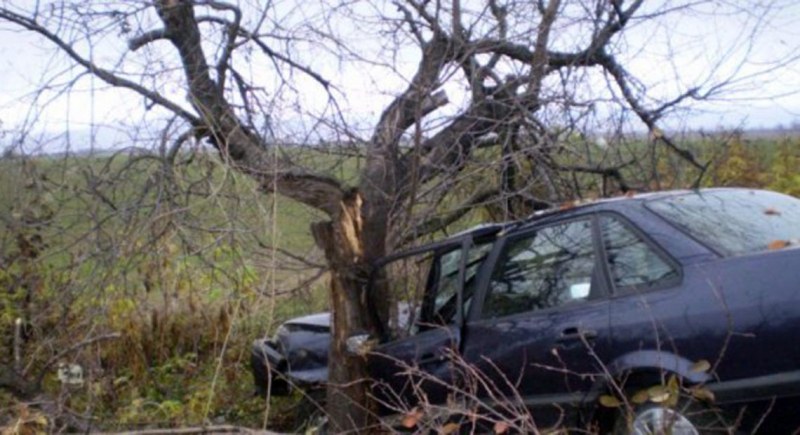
(649,118)
(412,23)
(146,38)
(439,223)
(233,30)
(246,150)
(539,60)
(274,54)
(217,429)
(103,74)
(611,171)
(407,108)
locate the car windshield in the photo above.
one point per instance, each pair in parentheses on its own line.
(736,221)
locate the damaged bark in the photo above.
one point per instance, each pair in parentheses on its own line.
(341,240)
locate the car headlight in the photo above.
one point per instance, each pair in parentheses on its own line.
(281,332)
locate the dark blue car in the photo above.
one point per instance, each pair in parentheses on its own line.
(676,309)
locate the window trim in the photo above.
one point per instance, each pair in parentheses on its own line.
(600,292)
(662,253)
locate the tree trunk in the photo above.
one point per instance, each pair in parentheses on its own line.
(348,406)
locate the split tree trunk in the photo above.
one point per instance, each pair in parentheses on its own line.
(348,405)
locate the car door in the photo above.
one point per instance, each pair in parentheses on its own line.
(542,326)
(666,315)
(426,331)
(651,310)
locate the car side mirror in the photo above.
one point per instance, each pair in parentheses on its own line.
(359,344)
(580,291)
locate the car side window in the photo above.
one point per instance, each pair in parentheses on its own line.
(423,288)
(551,267)
(442,310)
(632,263)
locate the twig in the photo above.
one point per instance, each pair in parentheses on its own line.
(440,222)
(193,430)
(18,344)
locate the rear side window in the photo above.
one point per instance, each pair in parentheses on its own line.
(541,270)
(734,222)
(632,263)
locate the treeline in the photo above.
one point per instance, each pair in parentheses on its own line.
(764,163)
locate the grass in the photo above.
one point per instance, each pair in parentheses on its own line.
(183,264)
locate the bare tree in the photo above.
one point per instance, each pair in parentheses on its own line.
(539,81)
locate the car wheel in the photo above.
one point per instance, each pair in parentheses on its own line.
(689,417)
(661,420)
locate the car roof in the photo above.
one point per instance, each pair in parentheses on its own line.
(630,198)
(564,210)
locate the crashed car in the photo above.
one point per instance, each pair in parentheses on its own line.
(298,354)
(698,289)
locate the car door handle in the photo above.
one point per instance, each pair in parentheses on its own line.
(574,333)
(429,358)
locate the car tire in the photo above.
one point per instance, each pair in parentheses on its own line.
(688,417)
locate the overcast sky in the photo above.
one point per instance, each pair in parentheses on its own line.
(695,44)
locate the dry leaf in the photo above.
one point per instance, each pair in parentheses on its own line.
(500,427)
(703,394)
(672,400)
(777,244)
(674,390)
(610,401)
(771,212)
(640,397)
(658,393)
(449,428)
(672,385)
(700,366)
(412,418)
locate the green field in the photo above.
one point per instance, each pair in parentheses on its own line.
(186,263)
